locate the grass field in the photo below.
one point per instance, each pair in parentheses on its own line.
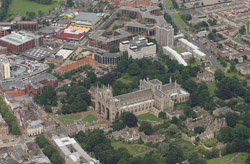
(169,4)
(241,158)
(66,120)
(178,50)
(133,149)
(211,88)
(20,7)
(89,118)
(178,19)
(148,117)
(126,80)
(220,160)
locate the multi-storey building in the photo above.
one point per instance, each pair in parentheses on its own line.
(151,97)
(4,129)
(4,31)
(21,41)
(19,24)
(35,128)
(100,40)
(138,48)
(31,86)
(165,36)
(4,66)
(108,58)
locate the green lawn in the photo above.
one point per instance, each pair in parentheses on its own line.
(89,118)
(126,80)
(20,7)
(241,158)
(211,142)
(148,117)
(211,88)
(133,149)
(66,120)
(169,4)
(178,19)
(187,147)
(220,160)
(178,50)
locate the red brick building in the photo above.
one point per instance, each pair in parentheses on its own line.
(4,31)
(21,25)
(141,3)
(32,86)
(77,64)
(21,41)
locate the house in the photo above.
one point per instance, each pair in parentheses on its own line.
(222,111)
(206,76)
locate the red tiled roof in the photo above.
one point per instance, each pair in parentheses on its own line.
(66,36)
(77,64)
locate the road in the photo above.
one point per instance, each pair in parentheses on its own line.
(210,57)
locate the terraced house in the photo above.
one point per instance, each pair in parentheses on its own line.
(152,97)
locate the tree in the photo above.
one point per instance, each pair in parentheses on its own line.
(232,119)
(118,125)
(40,13)
(240,133)
(146,128)
(115,27)
(162,115)
(172,129)
(219,74)
(130,119)
(211,36)
(70,3)
(56,158)
(199,129)
(133,69)
(192,60)
(224,92)
(95,138)
(196,159)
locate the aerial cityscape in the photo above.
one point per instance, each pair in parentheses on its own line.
(125,82)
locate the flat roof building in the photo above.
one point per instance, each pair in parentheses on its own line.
(72,151)
(174,55)
(99,39)
(21,41)
(87,19)
(38,53)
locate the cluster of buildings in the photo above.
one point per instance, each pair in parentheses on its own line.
(30,86)
(25,153)
(205,120)
(132,135)
(152,96)
(18,24)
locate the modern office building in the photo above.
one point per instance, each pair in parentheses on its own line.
(99,39)
(108,58)
(4,67)
(21,41)
(138,48)
(164,36)
(72,151)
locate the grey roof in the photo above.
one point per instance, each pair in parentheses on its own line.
(135,95)
(145,26)
(159,93)
(93,18)
(38,53)
(155,81)
(120,34)
(19,38)
(47,30)
(34,81)
(146,13)
(107,54)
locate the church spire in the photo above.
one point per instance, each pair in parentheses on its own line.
(170,80)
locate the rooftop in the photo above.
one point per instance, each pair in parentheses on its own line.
(19,38)
(92,18)
(38,53)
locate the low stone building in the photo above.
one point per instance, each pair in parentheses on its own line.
(243,68)
(222,111)
(206,76)
(133,135)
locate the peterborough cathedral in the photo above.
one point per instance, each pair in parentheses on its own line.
(152,97)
